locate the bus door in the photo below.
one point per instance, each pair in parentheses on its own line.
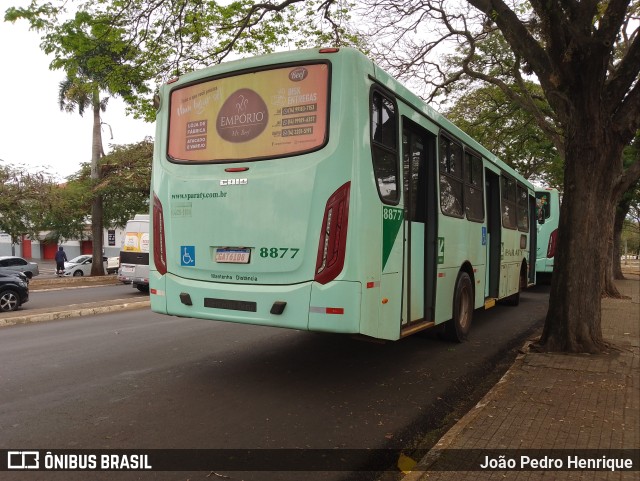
(494,234)
(420,227)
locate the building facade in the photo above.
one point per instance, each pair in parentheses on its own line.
(40,248)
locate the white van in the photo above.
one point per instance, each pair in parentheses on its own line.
(134,253)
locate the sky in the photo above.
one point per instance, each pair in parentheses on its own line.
(34,132)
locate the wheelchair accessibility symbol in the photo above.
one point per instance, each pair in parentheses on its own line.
(187,256)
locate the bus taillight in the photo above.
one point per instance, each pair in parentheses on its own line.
(333,236)
(551,249)
(159,244)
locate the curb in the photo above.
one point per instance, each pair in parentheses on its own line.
(87,310)
(447,439)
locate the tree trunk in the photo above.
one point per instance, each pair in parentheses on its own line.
(97,267)
(609,288)
(573,322)
(613,270)
(621,214)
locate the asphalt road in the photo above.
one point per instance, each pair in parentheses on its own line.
(139,380)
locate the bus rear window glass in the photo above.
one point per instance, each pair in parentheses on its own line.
(269,113)
(384,148)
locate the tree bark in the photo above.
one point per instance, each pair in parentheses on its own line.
(609,288)
(621,214)
(614,268)
(573,322)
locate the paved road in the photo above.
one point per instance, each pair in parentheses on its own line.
(140,380)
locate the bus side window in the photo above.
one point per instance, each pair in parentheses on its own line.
(384,147)
(451,165)
(473,196)
(509,216)
(523,209)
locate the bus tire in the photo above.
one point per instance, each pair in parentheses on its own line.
(457,328)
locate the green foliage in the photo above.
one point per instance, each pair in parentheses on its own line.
(125,46)
(509,131)
(124,186)
(68,212)
(125,179)
(90,46)
(23,197)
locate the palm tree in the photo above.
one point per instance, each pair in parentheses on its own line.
(81,94)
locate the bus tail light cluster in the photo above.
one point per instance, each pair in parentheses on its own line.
(159,244)
(333,236)
(551,249)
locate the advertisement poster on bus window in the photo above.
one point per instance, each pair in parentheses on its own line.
(260,114)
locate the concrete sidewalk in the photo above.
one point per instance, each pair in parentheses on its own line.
(555,403)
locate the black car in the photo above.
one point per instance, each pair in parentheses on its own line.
(14,291)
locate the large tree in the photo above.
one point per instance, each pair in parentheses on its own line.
(585,55)
(98,62)
(628,199)
(81,93)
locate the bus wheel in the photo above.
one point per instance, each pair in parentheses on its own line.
(457,328)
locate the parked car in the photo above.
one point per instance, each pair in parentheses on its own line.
(113,264)
(14,291)
(20,275)
(80,266)
(10,264)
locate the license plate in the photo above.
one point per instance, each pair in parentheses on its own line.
(127,269)
(233,255)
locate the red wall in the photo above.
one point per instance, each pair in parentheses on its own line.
(49,251)
(86,247)
(26,248)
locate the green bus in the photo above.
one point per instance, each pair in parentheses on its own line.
(547,218)
(311,190)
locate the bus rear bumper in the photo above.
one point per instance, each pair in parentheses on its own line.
(544,265)
(306,306)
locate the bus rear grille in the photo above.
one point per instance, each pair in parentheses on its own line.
(230,304)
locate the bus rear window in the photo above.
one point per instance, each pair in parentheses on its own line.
(262,114)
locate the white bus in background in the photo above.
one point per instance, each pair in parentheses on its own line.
(134,253)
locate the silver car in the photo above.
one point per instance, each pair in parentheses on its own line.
(12,264)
